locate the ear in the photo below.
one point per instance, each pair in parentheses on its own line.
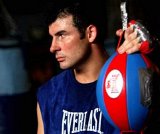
(91,33)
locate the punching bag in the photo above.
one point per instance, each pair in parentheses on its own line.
(124,90)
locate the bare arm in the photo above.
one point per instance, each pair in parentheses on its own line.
(40,129)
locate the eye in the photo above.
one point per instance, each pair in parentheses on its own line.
(61,35)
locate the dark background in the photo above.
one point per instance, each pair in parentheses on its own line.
(146,10)
(41,65)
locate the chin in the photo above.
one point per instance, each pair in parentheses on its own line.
(64,67)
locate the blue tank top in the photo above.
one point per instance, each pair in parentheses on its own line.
(69,107)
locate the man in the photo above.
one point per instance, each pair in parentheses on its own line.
(67,103)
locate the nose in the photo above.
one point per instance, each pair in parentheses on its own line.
(54,46)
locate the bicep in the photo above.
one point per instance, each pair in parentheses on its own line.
(40,129)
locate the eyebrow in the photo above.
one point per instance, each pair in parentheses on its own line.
(60,32)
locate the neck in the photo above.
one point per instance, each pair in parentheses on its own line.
(89,71)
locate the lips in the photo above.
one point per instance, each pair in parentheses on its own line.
(60,59)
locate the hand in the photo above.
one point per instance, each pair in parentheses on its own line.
(132,41)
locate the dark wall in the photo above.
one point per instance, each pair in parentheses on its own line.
(138,9)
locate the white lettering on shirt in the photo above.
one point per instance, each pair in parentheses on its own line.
(74,122)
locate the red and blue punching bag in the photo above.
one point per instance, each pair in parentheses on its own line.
(124,90)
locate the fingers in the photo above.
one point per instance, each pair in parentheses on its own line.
(129,33)
(119,32)
(130,47)
(132,42)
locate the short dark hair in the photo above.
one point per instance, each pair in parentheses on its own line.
(84,12)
